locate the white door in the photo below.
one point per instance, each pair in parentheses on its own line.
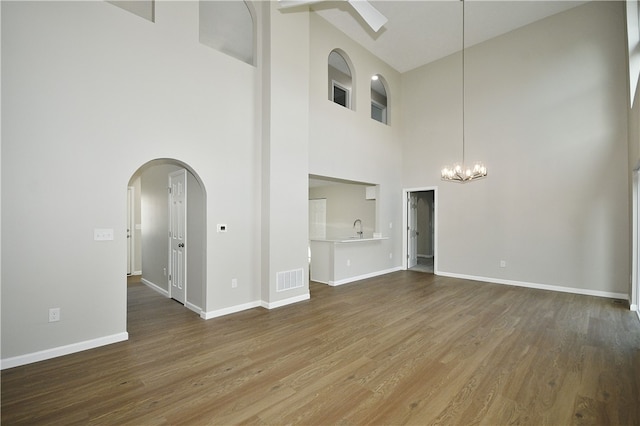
(412,230)
(177,235)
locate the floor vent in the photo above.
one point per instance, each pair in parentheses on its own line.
(288,280)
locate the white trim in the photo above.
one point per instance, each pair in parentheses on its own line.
(347,93)
(361,277)
(136,273)
(405,251)
(193,307)
(255,304)
(633,307)
(230,310)
(165,293)
(285,302)
(638,313)
(131,227)
(561,289)
(634,299)
(632,41)
(178,174)
(153,286)
(62,350)
(383,110)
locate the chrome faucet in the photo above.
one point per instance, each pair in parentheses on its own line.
(360,233)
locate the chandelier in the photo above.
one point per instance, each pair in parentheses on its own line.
(459,172)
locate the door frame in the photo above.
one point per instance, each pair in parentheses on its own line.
(634,300)
(411,230)
(131,226)
(405,224)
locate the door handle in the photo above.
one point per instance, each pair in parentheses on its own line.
(181,245)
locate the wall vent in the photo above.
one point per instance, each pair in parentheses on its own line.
(288,280)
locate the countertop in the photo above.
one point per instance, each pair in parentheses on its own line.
(350,239)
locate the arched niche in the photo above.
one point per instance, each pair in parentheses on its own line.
(340,79)
(379,99)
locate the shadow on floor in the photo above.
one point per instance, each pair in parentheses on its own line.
(425,264)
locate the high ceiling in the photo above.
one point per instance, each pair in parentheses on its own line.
(422,31)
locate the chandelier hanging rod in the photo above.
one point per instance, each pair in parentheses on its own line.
(458,172)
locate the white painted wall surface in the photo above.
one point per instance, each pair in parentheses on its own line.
(346,203)
(155,220)
(546,112)
(348,144)
(84,107)
(285,151)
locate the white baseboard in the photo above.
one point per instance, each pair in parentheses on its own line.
(62,350)
(285,302)
(136,273)
(638,312)
(230,310)
(155,287)
(251,305)
(165,293)
(633,307)
(364,276)
(425,256)
(583,291)
(193,307)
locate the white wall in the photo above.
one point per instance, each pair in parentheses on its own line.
(348,144)
(345,203)
(155,223)
(196,238)
(425,223)
(546,112)
(84,106)
(284,208)
(633,37)
(136,231)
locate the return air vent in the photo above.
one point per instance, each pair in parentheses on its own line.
(288,280)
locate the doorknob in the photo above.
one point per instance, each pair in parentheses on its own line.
(181,245)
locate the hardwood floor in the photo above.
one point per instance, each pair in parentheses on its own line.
(404,348)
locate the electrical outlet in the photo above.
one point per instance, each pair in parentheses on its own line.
(503,263)
(348,262)
(234,283)
(164,271)
(54,314)
(390,255)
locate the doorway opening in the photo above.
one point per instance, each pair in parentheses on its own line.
(421,230)
(158,260)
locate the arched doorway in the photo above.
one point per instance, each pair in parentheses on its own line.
(154,225)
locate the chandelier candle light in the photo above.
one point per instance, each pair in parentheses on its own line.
(458,172)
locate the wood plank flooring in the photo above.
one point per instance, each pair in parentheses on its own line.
(404,348)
